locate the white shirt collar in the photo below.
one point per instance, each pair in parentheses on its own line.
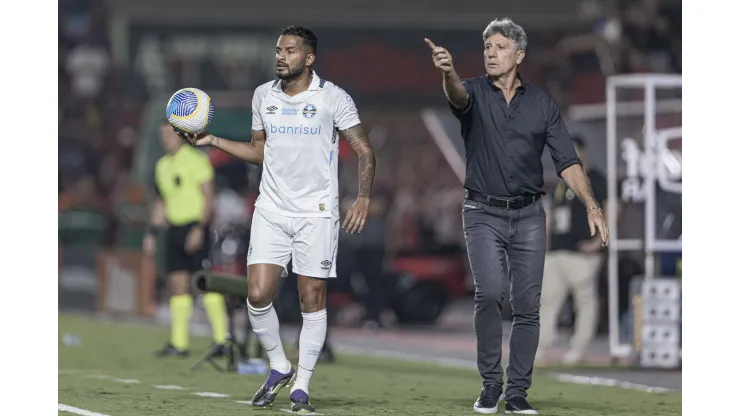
(314,86)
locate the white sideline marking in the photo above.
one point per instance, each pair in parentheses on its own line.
(126,381)
(406,356)
(296,413)
(247,402)
(209,394)
(608,382)
(169,387)
(203,331)
(462,363)
(83,371)
(78,411)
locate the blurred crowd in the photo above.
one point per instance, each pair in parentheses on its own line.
(100,123)
(621,37)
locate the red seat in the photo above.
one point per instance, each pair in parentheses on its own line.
(588,89)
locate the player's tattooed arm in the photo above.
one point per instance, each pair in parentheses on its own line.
(355,219)
(366,170)
(250,152)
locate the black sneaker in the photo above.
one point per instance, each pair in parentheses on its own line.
(488,400)
(519,406)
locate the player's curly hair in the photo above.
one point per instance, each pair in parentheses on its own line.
(307,35)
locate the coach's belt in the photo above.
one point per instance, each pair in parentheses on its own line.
(516,202)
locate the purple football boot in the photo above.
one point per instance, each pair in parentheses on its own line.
(275,381)
(300,404)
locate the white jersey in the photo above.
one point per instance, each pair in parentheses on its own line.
(299,173)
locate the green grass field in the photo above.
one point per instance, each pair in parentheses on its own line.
(114,373)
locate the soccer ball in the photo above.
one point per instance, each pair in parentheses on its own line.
(190,110)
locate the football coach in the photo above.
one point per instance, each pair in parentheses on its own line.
(506,123)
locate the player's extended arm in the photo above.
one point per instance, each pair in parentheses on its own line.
(252,152)
(359,142)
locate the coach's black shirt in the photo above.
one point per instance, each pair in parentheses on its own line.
(504,143)
(568,219)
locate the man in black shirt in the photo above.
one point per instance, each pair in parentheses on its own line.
(506,123)
(572,264)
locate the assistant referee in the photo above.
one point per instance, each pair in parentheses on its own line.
(184,184)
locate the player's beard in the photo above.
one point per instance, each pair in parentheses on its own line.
(292,73)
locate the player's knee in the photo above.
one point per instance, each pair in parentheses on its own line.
(259,297)
(262,284)
(179,283)
(260,293)
(313,303)
(312,293)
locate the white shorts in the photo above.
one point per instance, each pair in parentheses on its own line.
(310,241)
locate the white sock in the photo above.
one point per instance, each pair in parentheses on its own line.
(266,326)
(310,345)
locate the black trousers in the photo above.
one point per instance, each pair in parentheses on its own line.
(370,262)
(506,247)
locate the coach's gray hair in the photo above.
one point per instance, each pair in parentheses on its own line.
(509,30)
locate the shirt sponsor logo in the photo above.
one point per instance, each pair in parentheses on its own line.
(289,111)
(294,130)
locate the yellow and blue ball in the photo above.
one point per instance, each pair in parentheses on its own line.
(190,110)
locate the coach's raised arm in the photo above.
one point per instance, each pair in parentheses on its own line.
(453,86)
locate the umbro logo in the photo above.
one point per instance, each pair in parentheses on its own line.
(271,109)
(326,264)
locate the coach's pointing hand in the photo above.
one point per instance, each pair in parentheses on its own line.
(441,58)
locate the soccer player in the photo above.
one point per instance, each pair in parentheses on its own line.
(184,184)
(296,120)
